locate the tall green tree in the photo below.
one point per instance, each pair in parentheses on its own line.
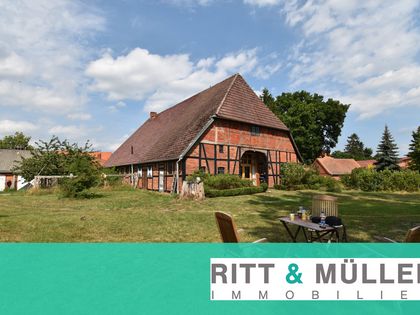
(414,151)
(354,149)
(354,146)
(16,141)
(314,123)
(387,152)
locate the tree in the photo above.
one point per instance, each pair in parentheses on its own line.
(354,149)
(314,123)
(16,141)
(341,155)
(367,152)
(55,157)
(387,152)
(414,151)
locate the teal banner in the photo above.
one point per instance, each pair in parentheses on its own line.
(163,278)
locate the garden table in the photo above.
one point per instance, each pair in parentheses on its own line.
(302,225)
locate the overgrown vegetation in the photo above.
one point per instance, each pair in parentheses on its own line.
(387,180)
(57,157)
(16,141)
(297,176)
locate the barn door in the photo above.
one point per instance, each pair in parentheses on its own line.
(161,179)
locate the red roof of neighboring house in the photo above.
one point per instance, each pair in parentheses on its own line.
(336,167)
(101,157)
(366,163)
(404,161)
(168,134)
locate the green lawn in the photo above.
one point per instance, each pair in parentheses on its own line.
(142,216)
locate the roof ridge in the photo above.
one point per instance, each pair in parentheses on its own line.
(319,159)
(226,94)
(196,94)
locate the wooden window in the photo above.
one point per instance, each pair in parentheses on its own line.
(255,130)
(221,148)
(220,170)
(139,171)
(170,168)
(149,171)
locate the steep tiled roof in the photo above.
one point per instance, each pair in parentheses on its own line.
(167,135)
(8,159)
(337,166)
(366,163)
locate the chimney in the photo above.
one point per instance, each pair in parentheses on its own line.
(153,115)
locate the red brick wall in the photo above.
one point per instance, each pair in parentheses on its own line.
(235,135)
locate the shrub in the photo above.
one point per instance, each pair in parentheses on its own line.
(293,174)
(86,176)
(111,181)
(387,180)
(78,186)
(225,181)
(235,191)
(332,184)
(197,174)
(297,176)
(277,186)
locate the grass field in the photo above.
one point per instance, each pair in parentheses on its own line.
(142,216)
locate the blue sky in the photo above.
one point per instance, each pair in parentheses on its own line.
(94,69)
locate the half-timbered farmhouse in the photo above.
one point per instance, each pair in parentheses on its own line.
(224,129)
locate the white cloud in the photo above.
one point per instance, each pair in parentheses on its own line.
(262,3)
(13,66)
(163,80)
(115,108)
(42,53)
(10,126)
(189,3)
(68,131)
(79,116)
(109,146)
(367,50)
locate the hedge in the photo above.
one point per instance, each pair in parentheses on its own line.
(297,176)
(235,191)
(226,181)
(372,180)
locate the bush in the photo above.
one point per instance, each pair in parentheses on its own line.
(297,176)
(78,186)
(235,191)
(111,181)
(293,174)
(387,180)
(197,174)
(86,176)
(332,184)
(225,181)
